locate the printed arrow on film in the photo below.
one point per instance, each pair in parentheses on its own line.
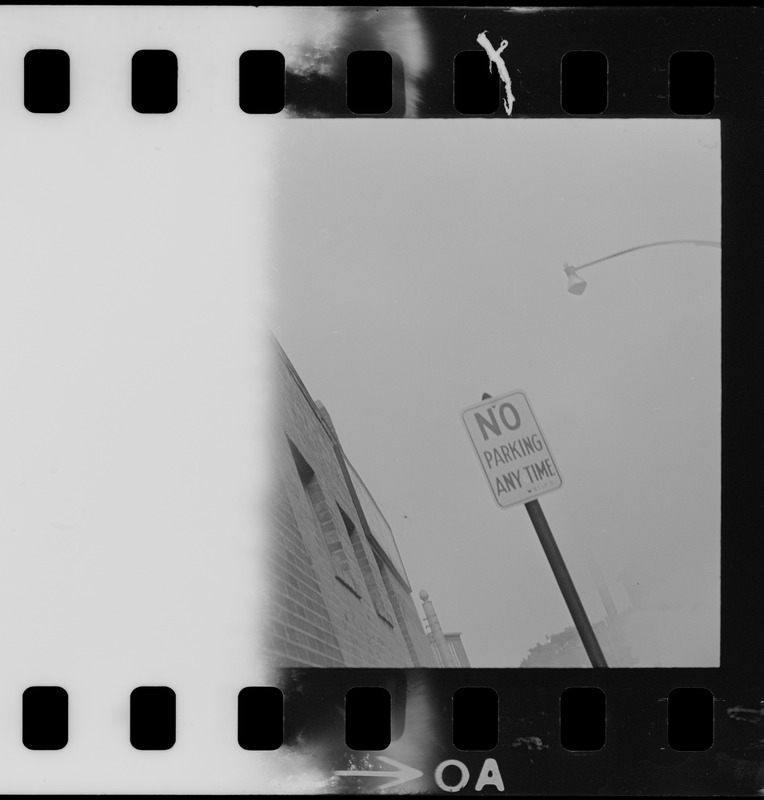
(402,773)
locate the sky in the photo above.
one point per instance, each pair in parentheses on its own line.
(417,264)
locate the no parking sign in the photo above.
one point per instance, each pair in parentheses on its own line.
(511,449)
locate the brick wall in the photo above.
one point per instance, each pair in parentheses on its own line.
(408,618)
(329,603)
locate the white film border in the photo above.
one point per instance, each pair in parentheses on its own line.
(133,404)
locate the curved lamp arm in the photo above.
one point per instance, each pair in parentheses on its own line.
(699,242)
(576,284)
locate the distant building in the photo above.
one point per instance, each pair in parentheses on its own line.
(339,592)
(565,649)
(455,647)
(446,647)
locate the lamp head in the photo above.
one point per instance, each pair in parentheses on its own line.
(576,284)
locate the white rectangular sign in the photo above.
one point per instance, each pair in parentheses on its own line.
(511,449)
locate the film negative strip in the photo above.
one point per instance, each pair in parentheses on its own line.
(295,320)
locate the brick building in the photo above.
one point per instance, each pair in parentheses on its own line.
(339,593)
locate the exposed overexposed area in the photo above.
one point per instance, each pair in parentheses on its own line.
(133,406)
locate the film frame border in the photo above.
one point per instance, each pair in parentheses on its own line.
(738,107)
(637,758)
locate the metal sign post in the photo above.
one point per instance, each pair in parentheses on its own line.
(565,582)
(517,463)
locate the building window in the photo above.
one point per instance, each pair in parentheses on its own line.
(378,599)
(324,522)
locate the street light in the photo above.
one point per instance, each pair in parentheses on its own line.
(577,285)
